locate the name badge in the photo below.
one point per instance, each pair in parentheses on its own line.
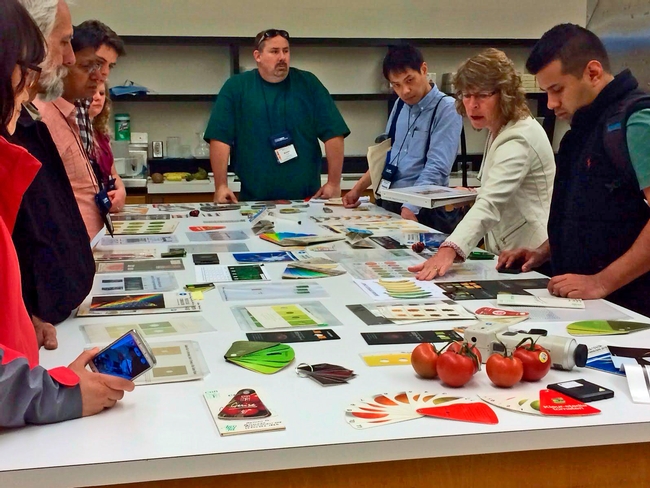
(283,147)
(383,185)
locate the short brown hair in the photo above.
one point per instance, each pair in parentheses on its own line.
(491,70)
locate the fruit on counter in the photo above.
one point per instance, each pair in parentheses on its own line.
(456,367)
(423,359)
(536,360)
(201,174)
(175,175)
(504,370)
(456,346)
(157,178)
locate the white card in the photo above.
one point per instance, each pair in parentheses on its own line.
(533,301)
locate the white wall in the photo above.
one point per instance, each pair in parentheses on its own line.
(349,70)
(335,18)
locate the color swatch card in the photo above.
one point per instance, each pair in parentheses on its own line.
(108,242)
(271,291)
(140,304)
(312,268)
(136,227)
(288,239)
(599,358)
(478,290)
(241,412)
(543,403)
(410,337)
(507,299)
(140,266)
(375,270)
(389,408)
(270,257)
(169,329)
(129,217)
(217,235)
(219,273)
(261,357)
(146,283)
(605,327)
(423,312)
(316,335)
(176,361)
(400,289)
(386,358)
(208,247)
(307,314)
(283,316)
(124,255)
(325,374)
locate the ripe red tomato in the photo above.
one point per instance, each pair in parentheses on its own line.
(504,371)
(536,361)
(424,359)
(458,345)
(456,368)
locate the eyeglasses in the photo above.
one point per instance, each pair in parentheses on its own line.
(269,34)
(31,74)
(90,67)
(480,96)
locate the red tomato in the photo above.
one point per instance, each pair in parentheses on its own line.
(456,368)
(536,361)
(424,359)
(458,345)
(504,371)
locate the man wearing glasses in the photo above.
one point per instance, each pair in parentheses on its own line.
(97,48)
(268,121)
(425,129)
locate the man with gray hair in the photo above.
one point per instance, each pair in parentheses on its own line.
(56,261)
(54,21)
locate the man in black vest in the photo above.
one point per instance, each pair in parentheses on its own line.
(599,230)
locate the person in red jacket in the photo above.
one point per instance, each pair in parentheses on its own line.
(28,392)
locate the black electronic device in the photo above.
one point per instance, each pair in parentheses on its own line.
(127,357)
(582,390)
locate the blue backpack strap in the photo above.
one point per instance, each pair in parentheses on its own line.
(615,135)
(433,118)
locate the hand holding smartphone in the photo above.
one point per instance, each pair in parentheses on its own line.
(128,357)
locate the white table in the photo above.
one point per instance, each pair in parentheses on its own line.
(165,431)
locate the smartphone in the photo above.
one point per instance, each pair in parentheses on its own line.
(511,270)
(127,357)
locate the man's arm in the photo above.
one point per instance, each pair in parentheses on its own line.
(334,149)
(351,198)
(443,148)
(634,263)
(219,154)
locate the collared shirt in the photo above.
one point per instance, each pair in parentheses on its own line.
(60,117)
(85,126)
(414,168)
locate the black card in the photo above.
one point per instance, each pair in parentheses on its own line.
(294,336)
(582,390)
(410,337)
(388,242)
(208,258)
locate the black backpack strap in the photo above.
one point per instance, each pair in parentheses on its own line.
(433,118)
(393,123)
(615,134)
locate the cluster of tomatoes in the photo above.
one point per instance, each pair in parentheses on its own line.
(457,362)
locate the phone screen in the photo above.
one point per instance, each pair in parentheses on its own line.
(122,358)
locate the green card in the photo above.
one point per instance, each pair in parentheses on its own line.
(604,327)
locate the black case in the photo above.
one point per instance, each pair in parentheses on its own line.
(588,392)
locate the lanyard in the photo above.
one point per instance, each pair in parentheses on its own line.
(266,104)
(408,129)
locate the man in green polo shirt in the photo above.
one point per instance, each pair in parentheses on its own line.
(268,121)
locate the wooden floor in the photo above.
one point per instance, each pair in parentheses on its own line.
(626,465)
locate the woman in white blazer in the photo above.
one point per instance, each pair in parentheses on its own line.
(513,202)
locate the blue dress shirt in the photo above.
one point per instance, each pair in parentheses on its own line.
(414,168)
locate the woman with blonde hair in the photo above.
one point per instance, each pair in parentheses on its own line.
(100,113)
(513,202)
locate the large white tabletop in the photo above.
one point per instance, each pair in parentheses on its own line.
(166,431)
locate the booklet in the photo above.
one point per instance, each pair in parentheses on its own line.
(139,304)
(241,412)
(429,196)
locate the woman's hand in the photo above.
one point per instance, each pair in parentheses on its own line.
(438,265)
